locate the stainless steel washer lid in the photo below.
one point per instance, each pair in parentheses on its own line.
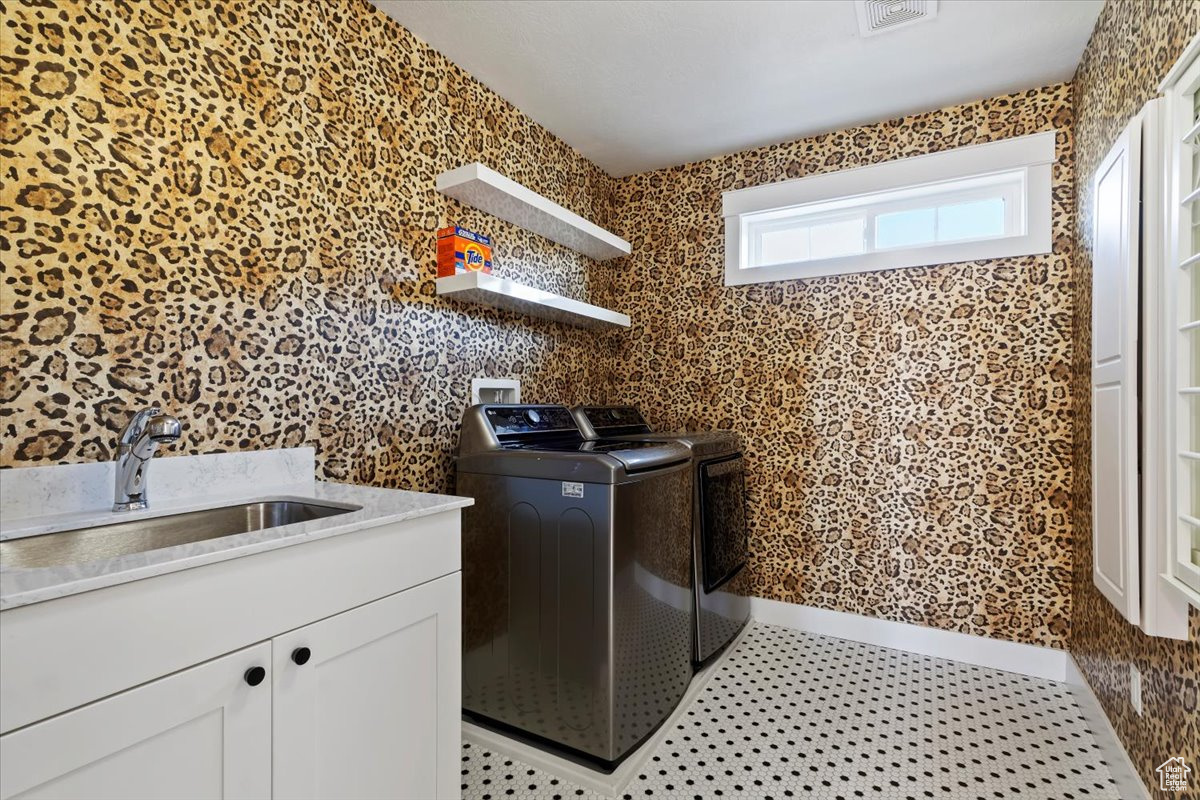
(543,442)
(626,423)
(649,455)
(700,443)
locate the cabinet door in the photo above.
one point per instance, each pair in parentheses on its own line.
(1115,280)
(375,710)
(200,733)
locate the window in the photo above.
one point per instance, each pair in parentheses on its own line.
(1181,317)
(966,210)
(973,203)
(1169,351)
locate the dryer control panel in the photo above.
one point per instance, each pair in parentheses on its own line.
(613,420)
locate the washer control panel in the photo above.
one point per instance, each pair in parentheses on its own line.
(515,420)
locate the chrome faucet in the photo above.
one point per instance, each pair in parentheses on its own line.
(145,432)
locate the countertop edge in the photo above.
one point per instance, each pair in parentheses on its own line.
(38,585)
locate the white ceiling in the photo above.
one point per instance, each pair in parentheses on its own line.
(637,85)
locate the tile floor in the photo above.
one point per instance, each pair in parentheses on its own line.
(791,714)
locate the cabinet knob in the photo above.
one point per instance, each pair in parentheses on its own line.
(301,655)
(255,675)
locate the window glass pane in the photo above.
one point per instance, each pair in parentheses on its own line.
(1190,278)
(1195,554)
(783,245)
(1192,217)
(1189,487)
(833,239)
(975,220)
(1189,542)
(905,228)
(1188,423)
(1189,343)
(905,218)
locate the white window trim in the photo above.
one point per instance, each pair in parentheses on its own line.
(1034,154)
(1163,610)
(1161,360)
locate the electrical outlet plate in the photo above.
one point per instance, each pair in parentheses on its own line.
(495,390)
(1135,689)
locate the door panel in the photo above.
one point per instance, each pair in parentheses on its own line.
(1106,414)
(374,712)
(724,537)
(1114,392)
(200,733)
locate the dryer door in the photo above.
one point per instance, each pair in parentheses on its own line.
(724,539)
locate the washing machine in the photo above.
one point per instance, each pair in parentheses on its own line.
(720,580)
(577,612)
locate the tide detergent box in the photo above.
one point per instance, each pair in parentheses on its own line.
(460,250)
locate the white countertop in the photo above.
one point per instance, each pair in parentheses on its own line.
(20,587)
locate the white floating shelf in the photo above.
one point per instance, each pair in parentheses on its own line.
(482,187)
(479,287)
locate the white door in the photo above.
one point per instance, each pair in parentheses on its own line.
(1115,276)
(204,732)
(374,710)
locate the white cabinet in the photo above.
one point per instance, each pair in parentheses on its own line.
(372,712)
(202,732)
(1115,252)
(367,702)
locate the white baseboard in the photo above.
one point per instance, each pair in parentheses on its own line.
(1024,659)
(1120,766)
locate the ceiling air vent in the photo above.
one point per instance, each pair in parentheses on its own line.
(881,16)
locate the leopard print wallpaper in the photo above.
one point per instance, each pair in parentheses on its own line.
(228,209)
(1131,49)
(908,431)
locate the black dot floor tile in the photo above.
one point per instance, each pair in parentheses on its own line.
(795,715)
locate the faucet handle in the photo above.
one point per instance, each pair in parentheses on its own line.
(163,428)
(133,428)
(142,435)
